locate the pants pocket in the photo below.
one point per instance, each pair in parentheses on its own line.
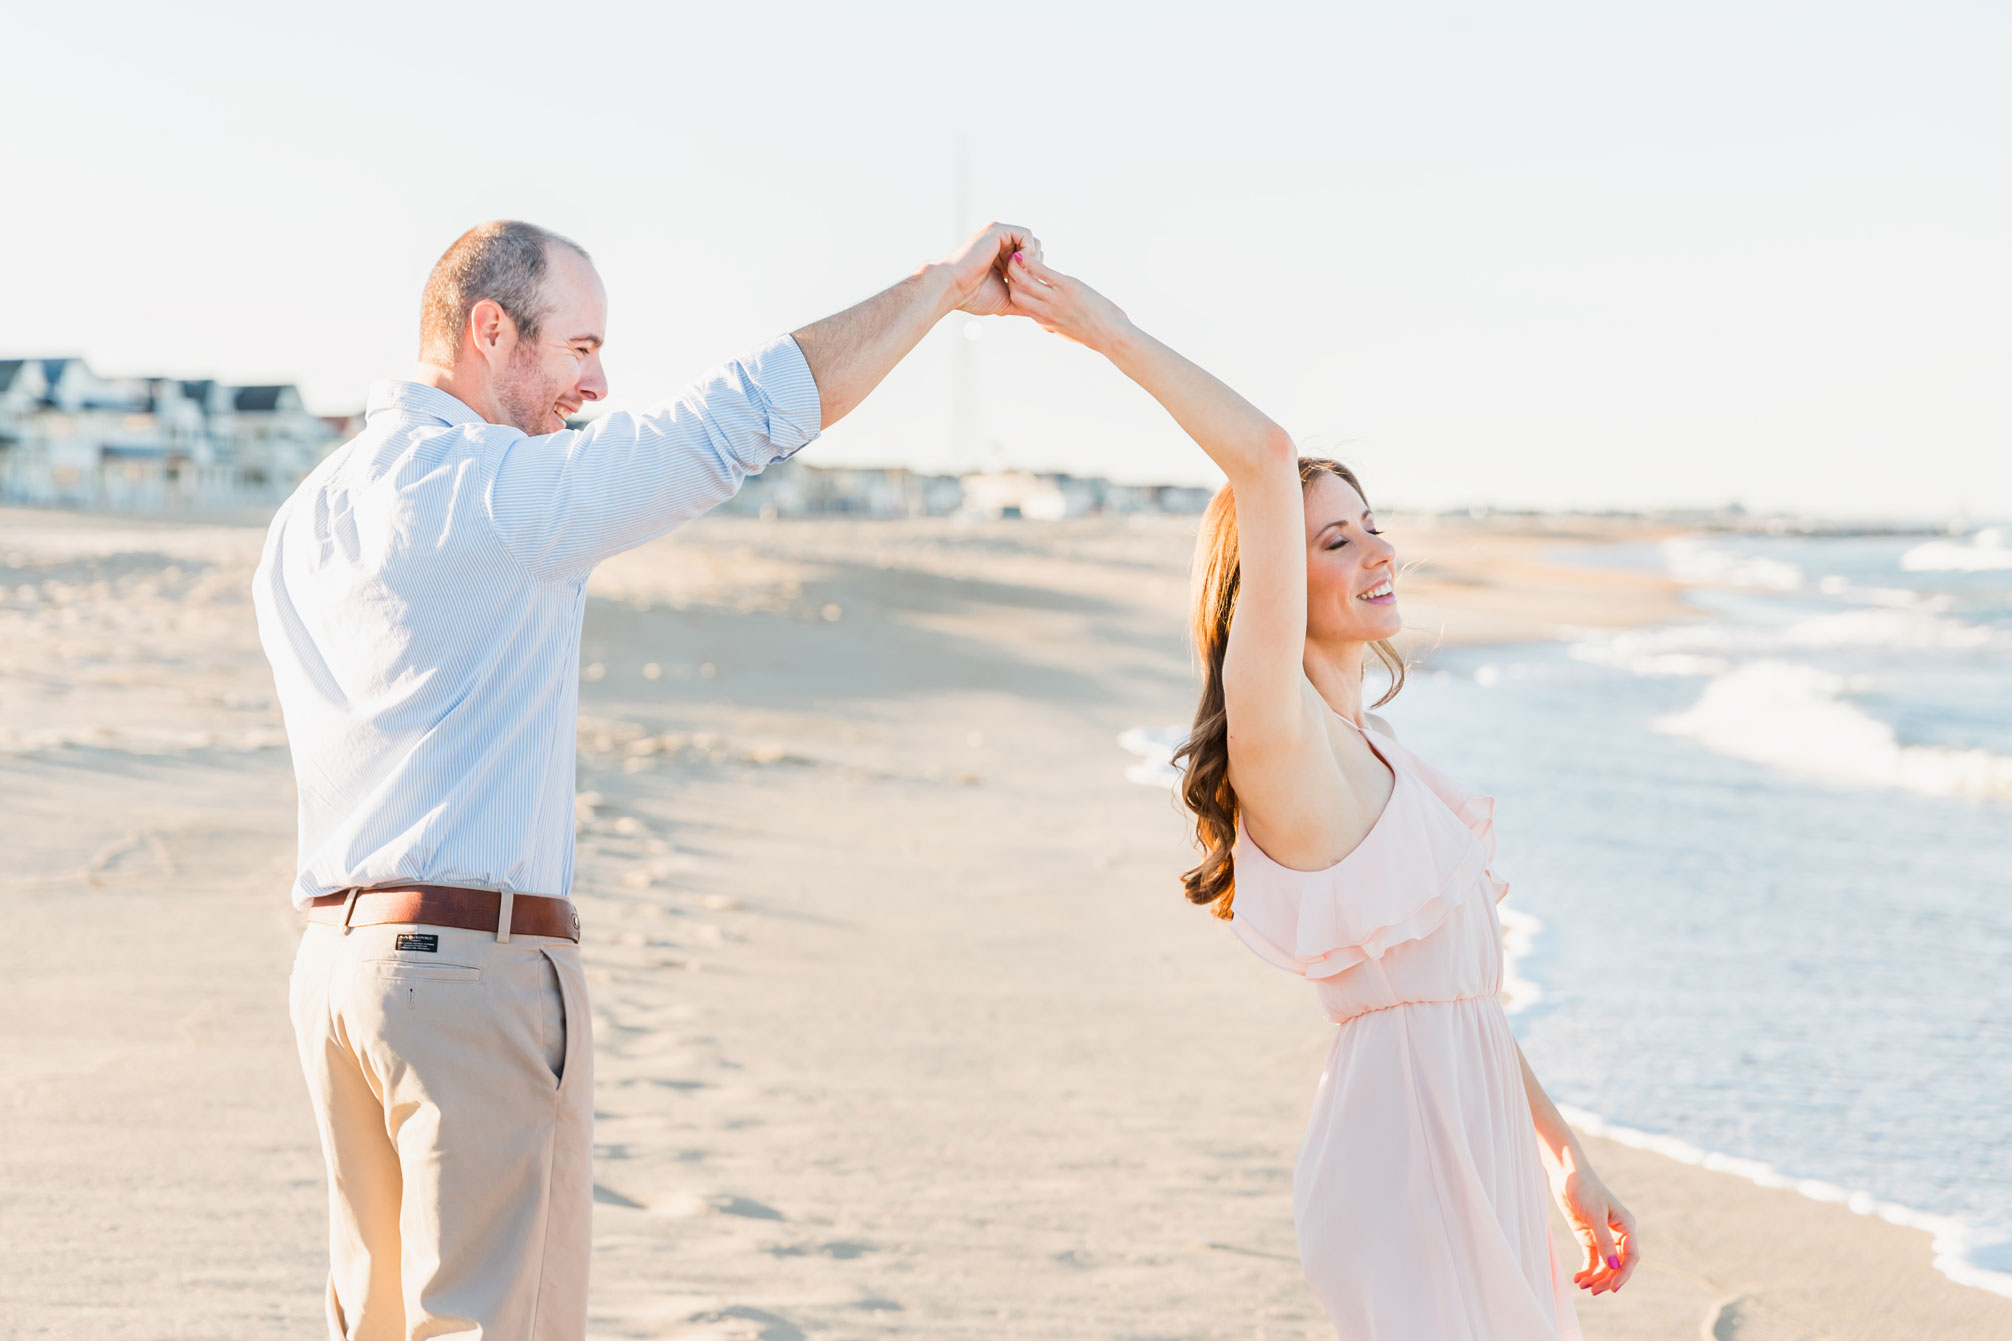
(569,1041)
(552,1020)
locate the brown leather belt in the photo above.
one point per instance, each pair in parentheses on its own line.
(449,906)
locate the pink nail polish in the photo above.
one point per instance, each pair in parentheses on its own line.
(1613,1264)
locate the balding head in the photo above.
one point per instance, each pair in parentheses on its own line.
(512,324)
(505,262)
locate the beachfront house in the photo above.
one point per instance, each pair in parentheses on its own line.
(55,417)
(1052,495)
(274,440)
(68,435)
(795,488)
(23,387)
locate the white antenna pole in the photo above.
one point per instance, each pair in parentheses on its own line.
(964,414)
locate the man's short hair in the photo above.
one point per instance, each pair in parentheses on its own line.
(502,261)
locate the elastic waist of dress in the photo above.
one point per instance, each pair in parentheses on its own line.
(1399,1005)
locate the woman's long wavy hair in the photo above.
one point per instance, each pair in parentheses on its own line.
(1205,782)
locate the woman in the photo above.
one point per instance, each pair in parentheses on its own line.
(1339,856)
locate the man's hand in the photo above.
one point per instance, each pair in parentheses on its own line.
(978,269)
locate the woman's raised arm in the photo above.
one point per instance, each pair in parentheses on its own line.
(1262,671)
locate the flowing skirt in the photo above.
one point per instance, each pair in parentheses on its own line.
(1419,1194)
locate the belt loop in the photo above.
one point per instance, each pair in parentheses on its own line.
(348,907)
(504,899)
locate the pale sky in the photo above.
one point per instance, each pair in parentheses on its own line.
(1520,254)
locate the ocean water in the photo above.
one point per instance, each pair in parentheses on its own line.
(1760,867)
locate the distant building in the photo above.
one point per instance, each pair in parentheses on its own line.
(68,435)
(1016,493)
(343,427)
(273,437)
(795,488)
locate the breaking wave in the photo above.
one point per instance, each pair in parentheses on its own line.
(1797,718)
(1986,551)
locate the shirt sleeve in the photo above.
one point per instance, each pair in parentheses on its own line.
(563,502)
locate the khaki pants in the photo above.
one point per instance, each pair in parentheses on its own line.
(452,1079)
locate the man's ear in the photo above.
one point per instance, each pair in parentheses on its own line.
(488,325)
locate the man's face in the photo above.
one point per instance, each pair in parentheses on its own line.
(547,379)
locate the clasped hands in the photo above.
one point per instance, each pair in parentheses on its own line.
(1000,273)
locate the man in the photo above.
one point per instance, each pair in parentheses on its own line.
(420,598)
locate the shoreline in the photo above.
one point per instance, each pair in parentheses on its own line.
(1950,1239)
(1954,1243)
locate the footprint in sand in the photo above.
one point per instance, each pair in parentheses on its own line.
(728,1204)
(689,1205)
(842,1250)
(756,1323)
(1747,1319)
(608,1196)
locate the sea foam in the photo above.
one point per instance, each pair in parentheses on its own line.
(1695,559)
(1155,746)
(1796,718)
(1707,648)
(1986,551)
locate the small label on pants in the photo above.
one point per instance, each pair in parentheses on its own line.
(416,940)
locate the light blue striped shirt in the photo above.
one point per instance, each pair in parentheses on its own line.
(420,599)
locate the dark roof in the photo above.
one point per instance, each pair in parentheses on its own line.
(259,397)
(52,371)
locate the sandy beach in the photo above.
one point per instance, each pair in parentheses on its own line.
(903,1028)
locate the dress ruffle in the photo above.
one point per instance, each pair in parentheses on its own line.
(1432,842)
(1472,809)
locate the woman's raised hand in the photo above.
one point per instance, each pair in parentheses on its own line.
(1063,304)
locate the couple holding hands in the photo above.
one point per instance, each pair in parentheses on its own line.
(420,597)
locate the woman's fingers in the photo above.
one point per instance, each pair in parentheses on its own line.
(1603,1243)
(1020,277)
(1030,263)
(1613,1236)
(1032,298)
(1583,1277)
(1603,1258)
(1624,1231)
(1038,299)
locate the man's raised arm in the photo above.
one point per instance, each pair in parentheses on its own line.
(563,502)
(850,352)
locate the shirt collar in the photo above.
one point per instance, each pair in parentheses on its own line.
(418,401)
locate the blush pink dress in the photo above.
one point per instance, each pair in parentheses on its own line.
(1419,1196)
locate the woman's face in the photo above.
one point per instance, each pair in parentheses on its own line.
(1350,569)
